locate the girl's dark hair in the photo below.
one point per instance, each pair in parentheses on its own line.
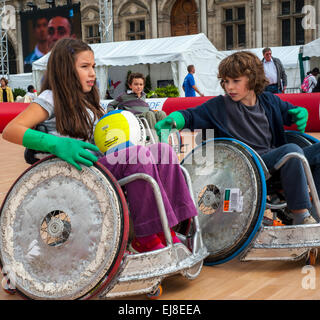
(244,63)
(71,105)
(136,75)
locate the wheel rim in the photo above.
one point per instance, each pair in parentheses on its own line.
(62,231)
(225,165)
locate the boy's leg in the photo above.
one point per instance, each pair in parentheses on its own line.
(293,179)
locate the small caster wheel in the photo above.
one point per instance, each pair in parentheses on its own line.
(155,294)
(7,288)
(312,257)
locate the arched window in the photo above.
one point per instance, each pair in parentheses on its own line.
(184,18)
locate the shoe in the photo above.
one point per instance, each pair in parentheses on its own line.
(145,244)
(175,239)
(309,220)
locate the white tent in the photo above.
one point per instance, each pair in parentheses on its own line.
(156,55)
(312,50)
(289,58)
(21,80)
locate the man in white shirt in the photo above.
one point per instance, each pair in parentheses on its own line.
(274,72)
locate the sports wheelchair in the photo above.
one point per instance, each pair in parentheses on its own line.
(64,235)
(234,192)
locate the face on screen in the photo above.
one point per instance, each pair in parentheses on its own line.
(58,28)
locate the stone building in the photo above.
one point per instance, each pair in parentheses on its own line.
(228,24)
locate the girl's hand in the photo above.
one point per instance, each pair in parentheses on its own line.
(71,150)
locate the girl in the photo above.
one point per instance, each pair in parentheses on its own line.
(68,105)
(257,118)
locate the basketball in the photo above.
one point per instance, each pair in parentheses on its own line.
(117,130)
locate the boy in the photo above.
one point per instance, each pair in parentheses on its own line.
(135,101)
(257,118)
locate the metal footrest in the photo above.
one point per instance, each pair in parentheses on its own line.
(283,243)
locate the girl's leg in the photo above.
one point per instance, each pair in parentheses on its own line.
(142,205)
(172,177)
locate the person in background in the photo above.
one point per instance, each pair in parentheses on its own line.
(134,100)
(317,87)
(58,28)
(312,80)
(274,71)
(6,94)
(30,95)
(189,86)
(40,28)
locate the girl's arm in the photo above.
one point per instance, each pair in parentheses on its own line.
(29,118)
(71,150)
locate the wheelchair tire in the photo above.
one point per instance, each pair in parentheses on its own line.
(299,138)
(63,231)
(217,168)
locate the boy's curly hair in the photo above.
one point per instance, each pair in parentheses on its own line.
(244,63)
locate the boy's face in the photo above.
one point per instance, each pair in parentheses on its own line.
(238,89)
(137,86)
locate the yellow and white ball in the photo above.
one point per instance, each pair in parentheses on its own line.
(117,130)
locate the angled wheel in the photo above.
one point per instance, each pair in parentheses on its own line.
(63,231)
(230,191)
(155,294)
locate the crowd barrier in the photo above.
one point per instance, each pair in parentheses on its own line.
(311,101)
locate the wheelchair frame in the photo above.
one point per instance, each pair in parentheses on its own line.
(286,242)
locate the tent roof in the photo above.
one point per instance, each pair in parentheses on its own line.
(124,53)
(287,54)
(312,49)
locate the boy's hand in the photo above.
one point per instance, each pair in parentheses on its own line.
(164,126)
(300,117)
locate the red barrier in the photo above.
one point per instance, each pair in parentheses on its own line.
(8,111)
(310,101)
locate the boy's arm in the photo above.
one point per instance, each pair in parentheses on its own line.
(293,114)
(193,118)
(113,105)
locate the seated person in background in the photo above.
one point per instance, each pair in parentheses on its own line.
(30,95)
(256,118)
(135,101)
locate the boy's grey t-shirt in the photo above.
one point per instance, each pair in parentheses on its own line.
(249,125)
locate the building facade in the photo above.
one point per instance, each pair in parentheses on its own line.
(228,24)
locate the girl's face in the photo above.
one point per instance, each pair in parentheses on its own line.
(85,65)
(3,83)
(238,90)
(137,86)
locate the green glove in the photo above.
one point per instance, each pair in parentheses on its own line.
(71,150)
(164,126)
(300,117)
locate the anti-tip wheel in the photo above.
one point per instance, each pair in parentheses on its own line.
(155,294)
(312,257)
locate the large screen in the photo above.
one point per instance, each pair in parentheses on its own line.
(41,28)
